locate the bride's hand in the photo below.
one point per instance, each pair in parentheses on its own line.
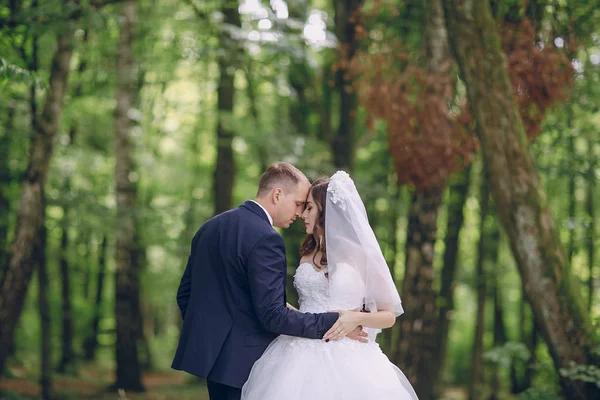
(359,335)
(346,323)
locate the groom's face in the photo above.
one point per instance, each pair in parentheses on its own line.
(290,205)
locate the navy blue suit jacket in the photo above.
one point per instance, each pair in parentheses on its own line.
(232,297)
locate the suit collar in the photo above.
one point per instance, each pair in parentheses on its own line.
(257,209)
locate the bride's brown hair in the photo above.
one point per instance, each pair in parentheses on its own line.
(315,242)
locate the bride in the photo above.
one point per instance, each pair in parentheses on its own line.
(342,268)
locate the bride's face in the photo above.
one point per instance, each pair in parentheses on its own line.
(310,214)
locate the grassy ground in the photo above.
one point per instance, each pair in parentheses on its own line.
(92,384)
(93,380)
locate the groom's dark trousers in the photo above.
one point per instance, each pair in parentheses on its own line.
(232,299)
(223,392)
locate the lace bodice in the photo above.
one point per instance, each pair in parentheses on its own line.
(314,287)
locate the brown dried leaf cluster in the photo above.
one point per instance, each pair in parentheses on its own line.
(541,76)
(427,141)
(427,144)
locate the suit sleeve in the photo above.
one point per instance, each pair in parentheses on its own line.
(266,277)
(185,289)
(185,286)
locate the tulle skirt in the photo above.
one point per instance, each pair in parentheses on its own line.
(306,369)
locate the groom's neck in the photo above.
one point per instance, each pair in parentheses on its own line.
(266,204)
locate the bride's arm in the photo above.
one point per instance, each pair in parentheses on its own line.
(377,320)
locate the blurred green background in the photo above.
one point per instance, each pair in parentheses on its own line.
(124,125)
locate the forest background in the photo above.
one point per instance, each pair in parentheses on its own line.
(470,128)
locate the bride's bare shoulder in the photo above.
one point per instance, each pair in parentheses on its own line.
(307,258)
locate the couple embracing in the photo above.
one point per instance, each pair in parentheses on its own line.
(241,335)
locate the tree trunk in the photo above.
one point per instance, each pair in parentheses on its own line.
(518,193)
(572,223)
(388,334)
(91,343)
(300,76)
(128,374)
(261,145)
(146,360)
(88,267)
(45,317)
(67,359)
(343,143)
(29,217)
(139,261)
(459,188)
(5,180)
(300,106)
(417,327)
(224,174)
(521,373)
(391,217)
(532,343)
(591,227)
(5,141)
(326,104)
(499,332)
(416,352)
(477,367)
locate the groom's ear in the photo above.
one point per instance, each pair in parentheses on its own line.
(277,195)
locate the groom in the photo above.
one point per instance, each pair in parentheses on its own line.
(232,293)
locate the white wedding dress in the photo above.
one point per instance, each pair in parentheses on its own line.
(294,368)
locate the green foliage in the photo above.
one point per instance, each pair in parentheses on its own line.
(545,384)
(505,355)
(10,73)
(539,393)
(585,373)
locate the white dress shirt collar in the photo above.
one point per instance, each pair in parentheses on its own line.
(266,212)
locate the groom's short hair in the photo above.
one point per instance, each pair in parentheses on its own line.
(280,174)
